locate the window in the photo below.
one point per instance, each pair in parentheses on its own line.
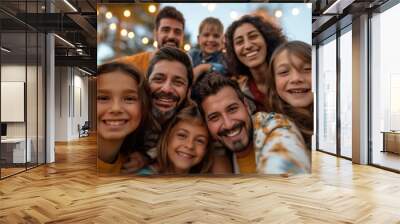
(327,96)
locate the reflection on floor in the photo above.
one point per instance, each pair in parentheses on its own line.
(70,191)
(386,159)
(10,169)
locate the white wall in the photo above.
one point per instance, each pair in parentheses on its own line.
(70,83)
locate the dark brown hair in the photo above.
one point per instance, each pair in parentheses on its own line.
(145,105)
(190,114)
(272,35)
(211,84)
(303,117)
(170,13)
(172,54)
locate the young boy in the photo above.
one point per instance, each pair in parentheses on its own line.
(209,58)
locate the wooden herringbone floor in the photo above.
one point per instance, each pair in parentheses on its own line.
(70,191)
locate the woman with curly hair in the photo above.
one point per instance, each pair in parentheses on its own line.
(289,85)
(250,42)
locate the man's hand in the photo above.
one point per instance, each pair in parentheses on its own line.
(136,161)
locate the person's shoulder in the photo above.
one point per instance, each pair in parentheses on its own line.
(270,120)
(134,57)
(194,51)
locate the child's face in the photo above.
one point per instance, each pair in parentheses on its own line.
(118,105)
(187,145)
(293,79)
(210,39)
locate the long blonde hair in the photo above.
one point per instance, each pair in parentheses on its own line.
(302,117)
(189,113)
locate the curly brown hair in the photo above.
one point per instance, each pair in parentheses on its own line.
(272,35)
(302,117)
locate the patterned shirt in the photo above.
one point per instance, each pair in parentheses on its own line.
(279,145)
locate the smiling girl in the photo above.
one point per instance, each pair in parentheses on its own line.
(183,147)
(289,85)
(122,105)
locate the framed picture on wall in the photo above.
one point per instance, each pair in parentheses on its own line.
(186,88)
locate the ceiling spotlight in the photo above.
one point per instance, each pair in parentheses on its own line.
(86,72)
(278,13)
(70,5)
(113,26)
(5,49)
(131,35)
(187,47)
(124,32)
(127,13)
(145,40)
(65,41)
(109,15)
(295,11)
(152,8)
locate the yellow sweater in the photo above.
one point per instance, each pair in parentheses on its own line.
(247,163)
(112,168)
(141,61)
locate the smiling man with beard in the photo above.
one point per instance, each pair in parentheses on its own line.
(169,76)
(168,31)
(265,143)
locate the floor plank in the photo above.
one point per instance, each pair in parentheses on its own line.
(70,191)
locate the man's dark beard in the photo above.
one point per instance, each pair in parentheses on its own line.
(162,116)
(238,146)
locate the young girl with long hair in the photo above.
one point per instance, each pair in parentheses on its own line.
(122,108)
(183,147)
(289,85)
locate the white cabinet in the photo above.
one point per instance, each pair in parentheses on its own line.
(16,147)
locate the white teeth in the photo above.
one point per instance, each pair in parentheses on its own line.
(298,90)
(251,53)
(185,155)
(234,132)
(115,123)
(170,44)
(166,100)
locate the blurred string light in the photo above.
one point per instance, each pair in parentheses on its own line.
(131,35)
(124,32)
(234,15)
(152,8)
(295,11)
(211,7)
(109,15)
(155,44)
(113,26)
(187,47)
(278,13)
(127,13)
(145,40)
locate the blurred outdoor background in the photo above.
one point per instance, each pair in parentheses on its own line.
(125,29)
